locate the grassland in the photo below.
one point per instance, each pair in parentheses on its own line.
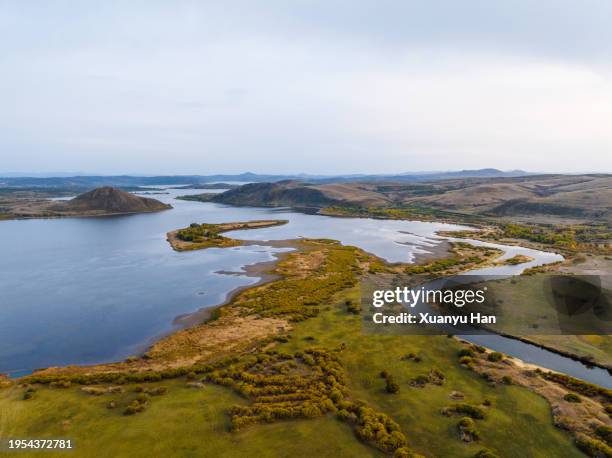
(418,410)
(186,422)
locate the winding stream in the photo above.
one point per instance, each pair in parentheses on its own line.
(527,352)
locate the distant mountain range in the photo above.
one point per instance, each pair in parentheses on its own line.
(127,181)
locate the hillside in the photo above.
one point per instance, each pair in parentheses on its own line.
(546,198)
(286,193)
(98,202)
(110,200)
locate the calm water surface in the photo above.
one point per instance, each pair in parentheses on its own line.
(89,290)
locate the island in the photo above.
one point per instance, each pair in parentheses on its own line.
(200,236)
(103,201)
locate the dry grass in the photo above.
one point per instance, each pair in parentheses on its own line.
(575,417)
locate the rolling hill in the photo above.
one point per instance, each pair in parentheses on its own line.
(98,202)
(577,198)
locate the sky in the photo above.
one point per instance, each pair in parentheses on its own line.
(320,87)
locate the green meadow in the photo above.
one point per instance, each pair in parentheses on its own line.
(195,422)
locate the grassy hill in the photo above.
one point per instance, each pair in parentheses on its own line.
(544,198)
(98,202)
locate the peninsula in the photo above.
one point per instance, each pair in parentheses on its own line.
(200,236)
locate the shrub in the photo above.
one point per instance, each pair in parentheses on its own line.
(132,409)
(464,409)
(158,391)
(467,429)
(592,447)
(352,307)
(94,390)
(571,397)
(392,386)
(466,352)
(574,384)
(605,433)
(402,452)
(495,356)
(137,405)
(436,377)
(507,380)
(485,453)
(420,381)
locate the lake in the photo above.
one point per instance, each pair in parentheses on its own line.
(90,290)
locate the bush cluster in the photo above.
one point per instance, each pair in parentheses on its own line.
(391,385)
(571,397)
(298,297)
(464,409)
(314,384)
(153,391)
(458,260)
(467,430)
(284,386)
(579,386)
(605,433)
(127,377)
(412,357)
(29,393)
(198,233)
(593,447)
(353,307)
(434,377)
(137,405)
(495,356)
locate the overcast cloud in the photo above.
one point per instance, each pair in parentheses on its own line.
(305,86)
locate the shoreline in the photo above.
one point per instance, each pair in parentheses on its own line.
(101,215)
(581,359)
(261,270)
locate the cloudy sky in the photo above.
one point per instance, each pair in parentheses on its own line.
(328,86)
